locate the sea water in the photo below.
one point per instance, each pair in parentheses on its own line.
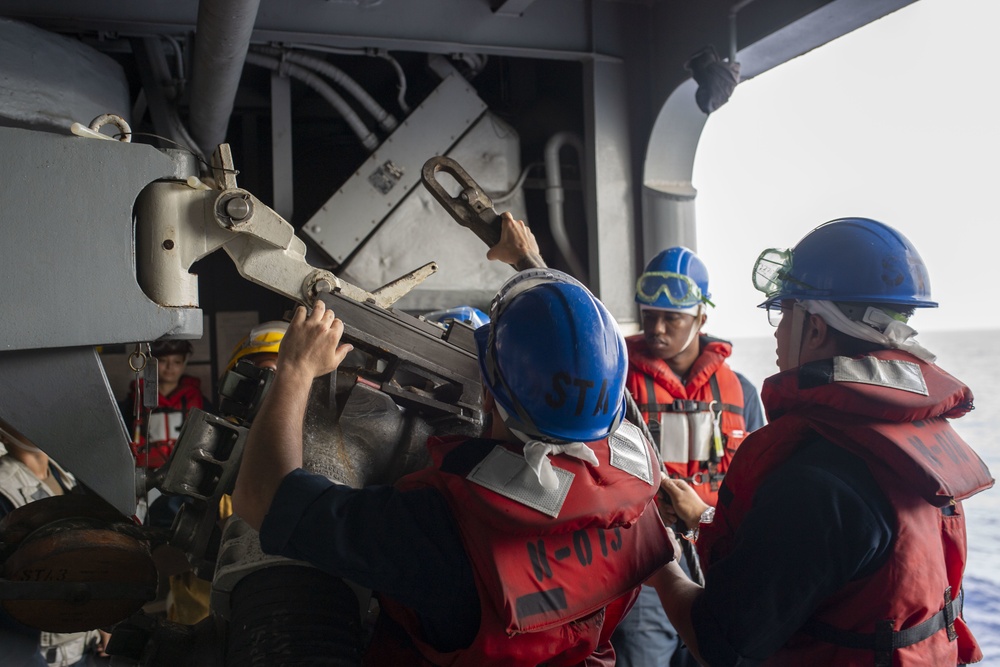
(974,358)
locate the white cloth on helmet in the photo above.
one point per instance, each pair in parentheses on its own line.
(897,335)
(536,452)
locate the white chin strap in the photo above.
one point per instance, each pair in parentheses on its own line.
(537,452)
(895,334)
(696,329)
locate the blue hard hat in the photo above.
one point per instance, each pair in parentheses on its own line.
(676,279)
(470,315)
(849,260)
(553,358)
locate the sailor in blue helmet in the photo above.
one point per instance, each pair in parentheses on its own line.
(839,536)
(521,547)
(698,410)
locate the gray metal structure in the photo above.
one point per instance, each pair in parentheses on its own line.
(69,264)
(99,236)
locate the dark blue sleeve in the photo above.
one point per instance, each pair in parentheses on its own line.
(403,544)
(753,412)
(817,522)
(6,507)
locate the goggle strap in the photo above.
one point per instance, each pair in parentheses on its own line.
(495,378)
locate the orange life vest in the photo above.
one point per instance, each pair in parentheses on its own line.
(551,588)
(163,423)
(699,424)
(891,410)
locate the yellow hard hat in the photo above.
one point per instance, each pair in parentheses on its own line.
(265,337)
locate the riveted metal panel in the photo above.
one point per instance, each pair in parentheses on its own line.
(388,175)
(420,230)
(67,263)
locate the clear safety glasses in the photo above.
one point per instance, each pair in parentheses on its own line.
(679,289)
(774,313)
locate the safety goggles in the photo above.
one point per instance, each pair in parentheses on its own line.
(680,290)
(522,282)
(772,273)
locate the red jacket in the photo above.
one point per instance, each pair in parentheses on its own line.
(873,406)
(551,588)
(685,415)
(164,421)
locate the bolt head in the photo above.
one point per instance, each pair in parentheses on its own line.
(238,208)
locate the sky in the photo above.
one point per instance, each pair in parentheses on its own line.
(897,121)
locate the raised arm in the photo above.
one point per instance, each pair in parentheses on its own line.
(310,348)
(517,245)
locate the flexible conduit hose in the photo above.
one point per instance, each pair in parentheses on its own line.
(314,81)
(385,120)
(554,196)
(372,53)
(400,75)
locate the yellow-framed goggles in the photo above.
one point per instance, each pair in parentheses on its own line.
(668,289)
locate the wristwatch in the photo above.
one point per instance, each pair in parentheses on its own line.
(707,516)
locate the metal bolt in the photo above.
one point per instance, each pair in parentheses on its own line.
(168,245)
(238,208)
(322,285)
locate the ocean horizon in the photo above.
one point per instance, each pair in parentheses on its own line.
(971,357)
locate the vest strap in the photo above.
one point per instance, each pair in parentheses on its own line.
(685,405)
(885,640)
(703,477)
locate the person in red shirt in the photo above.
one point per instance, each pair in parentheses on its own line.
(154,434)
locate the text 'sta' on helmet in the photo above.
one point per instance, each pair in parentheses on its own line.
(855,260)
(675,280)
(265,337)
(553,358)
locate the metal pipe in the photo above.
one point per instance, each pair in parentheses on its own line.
(554,198)
(733,11)
(221,43)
